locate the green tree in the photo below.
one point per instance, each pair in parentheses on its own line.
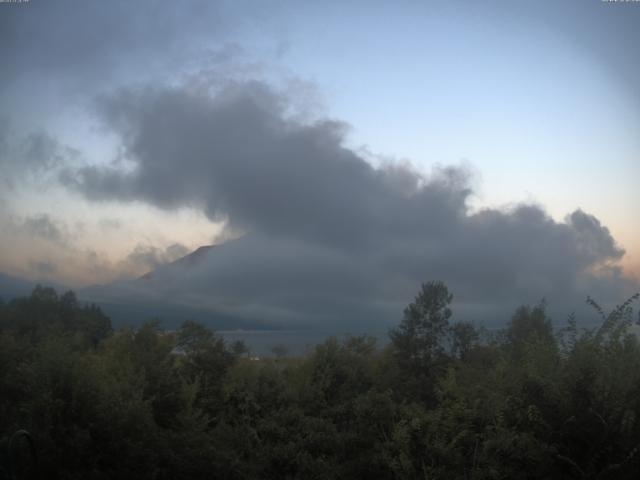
(419,342)
(419,339)
(530,326)
(205,360)
(464,337)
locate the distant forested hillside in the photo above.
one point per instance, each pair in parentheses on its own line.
(442,400)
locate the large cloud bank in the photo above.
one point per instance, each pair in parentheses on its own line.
(325,237)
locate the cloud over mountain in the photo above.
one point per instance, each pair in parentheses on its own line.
(44,227)
(326,235)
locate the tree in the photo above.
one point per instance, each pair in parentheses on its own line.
(418,343)
(419,339)
(205,360)
(463,338)
(529,327)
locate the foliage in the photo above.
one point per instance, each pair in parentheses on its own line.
(440,401)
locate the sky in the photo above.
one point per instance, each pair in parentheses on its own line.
(495,145)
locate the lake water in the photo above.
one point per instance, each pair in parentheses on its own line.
(296,342)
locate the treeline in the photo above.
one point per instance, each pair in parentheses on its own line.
(441,401)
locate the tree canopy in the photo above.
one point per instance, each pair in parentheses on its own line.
(441,400)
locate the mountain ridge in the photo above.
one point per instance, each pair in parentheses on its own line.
(160,294)
(189,260)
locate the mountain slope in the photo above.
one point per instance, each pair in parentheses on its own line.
(11,287)
(163,294)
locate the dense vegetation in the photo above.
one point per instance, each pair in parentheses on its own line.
(442,400)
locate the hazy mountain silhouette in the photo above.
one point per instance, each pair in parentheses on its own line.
(156,294)
(12,287)
(159,293)
(190,260)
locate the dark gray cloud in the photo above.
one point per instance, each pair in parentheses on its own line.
(32,157)
(85,43)
(40,151)
(328,237)
(237,154)
(42,226)
(593,239)
(79,48)
(4,136)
